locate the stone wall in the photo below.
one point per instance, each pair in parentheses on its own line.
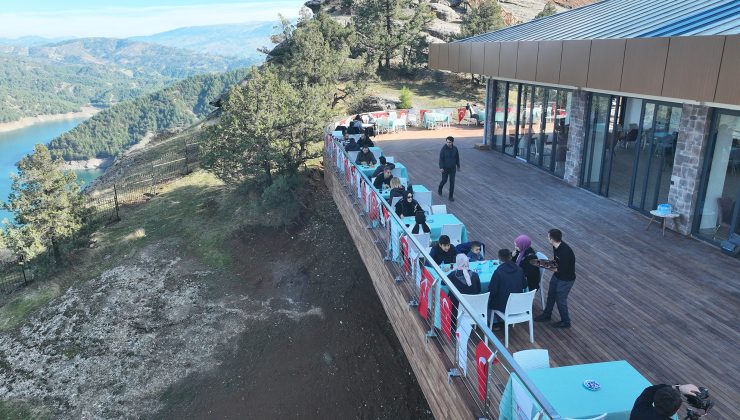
(490,114)
(692,141)
(576,137)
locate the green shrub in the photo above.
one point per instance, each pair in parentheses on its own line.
(405,98)
(281,202)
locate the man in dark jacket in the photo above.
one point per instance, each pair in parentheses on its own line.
(365,141)
(383,179)
(507,279)
(383,164)
(408,206)
(352,145)
(365,157)
(561,281)
(660,402)
(443,252)
(449,164)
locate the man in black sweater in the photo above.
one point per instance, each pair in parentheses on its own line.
(384,179)
(443,252)
(561,281)
(660,402)
(449,164)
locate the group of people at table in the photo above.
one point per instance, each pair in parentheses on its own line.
(516,272)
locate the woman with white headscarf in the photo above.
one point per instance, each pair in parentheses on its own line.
(467,282)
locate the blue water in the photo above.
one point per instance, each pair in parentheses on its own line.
(18,143)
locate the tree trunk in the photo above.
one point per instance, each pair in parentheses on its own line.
(388,27)
(268,173)
(57,252)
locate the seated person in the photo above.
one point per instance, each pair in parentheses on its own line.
(381,167)
(345,138)
(397,189)
(473,112)
(523,254)
(661,402)
(365,141)
(408,206)
(466,281)
(443,252)
(365,157)
(352,145)
(475,253)
(382,182)
(507,279)
(421,223)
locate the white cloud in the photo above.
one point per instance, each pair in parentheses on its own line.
(124,22)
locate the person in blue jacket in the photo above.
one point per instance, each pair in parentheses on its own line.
(507,279)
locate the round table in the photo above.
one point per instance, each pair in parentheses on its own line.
(663,216)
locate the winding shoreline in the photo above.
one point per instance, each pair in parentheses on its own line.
(85,111)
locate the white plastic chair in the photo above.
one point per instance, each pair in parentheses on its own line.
(425,239)
(541,256)
(390,159)
(439,209)
(533,359)
(352,156)
(454,232)
(424,198)
(518,309)
(479,303)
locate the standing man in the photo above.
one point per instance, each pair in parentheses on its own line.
(449,163)
(561,281)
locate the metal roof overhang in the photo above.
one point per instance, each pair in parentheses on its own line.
(701,69)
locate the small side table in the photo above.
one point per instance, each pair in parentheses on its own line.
(672,216)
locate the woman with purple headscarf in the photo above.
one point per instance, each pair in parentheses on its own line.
(522,255)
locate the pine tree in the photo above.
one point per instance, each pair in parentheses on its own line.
(481,18)
(548,10)
(383,27)
(47,206)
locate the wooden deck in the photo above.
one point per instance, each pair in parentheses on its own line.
(668,305)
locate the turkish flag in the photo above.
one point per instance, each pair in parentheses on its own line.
(373,206)
(405,255)
(354,174)
(461,113)
(445,312)
(363,192)
(426,283)
(347,174)
(482,354)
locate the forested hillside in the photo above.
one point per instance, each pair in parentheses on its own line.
(109,132)
(61,77)
(31,87)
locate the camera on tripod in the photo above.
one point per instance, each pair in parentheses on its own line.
(699,401)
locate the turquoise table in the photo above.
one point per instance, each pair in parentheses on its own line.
(435,222)
(487,267)
(621,384)
(368,170)
(386,194)
(432,118)
(377,151)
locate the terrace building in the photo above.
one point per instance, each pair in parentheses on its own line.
(634,100)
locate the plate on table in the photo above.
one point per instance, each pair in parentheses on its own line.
(591,385)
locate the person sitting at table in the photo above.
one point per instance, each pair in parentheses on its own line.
(397,189)
(523,254)
(443,252)
(352,145)
(365,141)
(408,206)
(467,282)
(382,182)
(365,157)
(475,253)
(421,222)
(355,127)
(383,164)
(507,279)
(345,138)
(661,402)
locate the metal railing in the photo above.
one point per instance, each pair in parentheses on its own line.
(440,304)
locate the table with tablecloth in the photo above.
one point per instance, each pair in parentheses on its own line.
(481,117)
(369,170)
(485,270)
(435,223)
(563,388)
(432,118)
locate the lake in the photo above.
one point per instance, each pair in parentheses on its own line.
(18,143)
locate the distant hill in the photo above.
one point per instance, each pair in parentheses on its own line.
(28,41)
(111,131)
(236,40)
(133,57)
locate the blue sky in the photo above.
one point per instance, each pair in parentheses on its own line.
(123,18)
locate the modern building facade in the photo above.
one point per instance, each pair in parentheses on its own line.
(635,100)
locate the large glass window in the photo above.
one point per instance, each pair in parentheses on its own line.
(499,118)
(512,116)
(596,138)
(718,212)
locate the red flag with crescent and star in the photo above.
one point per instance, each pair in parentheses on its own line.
(424,285)
(373,206)
(347,174)
(405,255)
(364,192)
(353,168)
(482,354)
(445,313)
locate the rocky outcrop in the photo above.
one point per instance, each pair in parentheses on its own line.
(443,30)
(445,13)
(373,103)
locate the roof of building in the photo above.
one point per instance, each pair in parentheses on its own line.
(627,19)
